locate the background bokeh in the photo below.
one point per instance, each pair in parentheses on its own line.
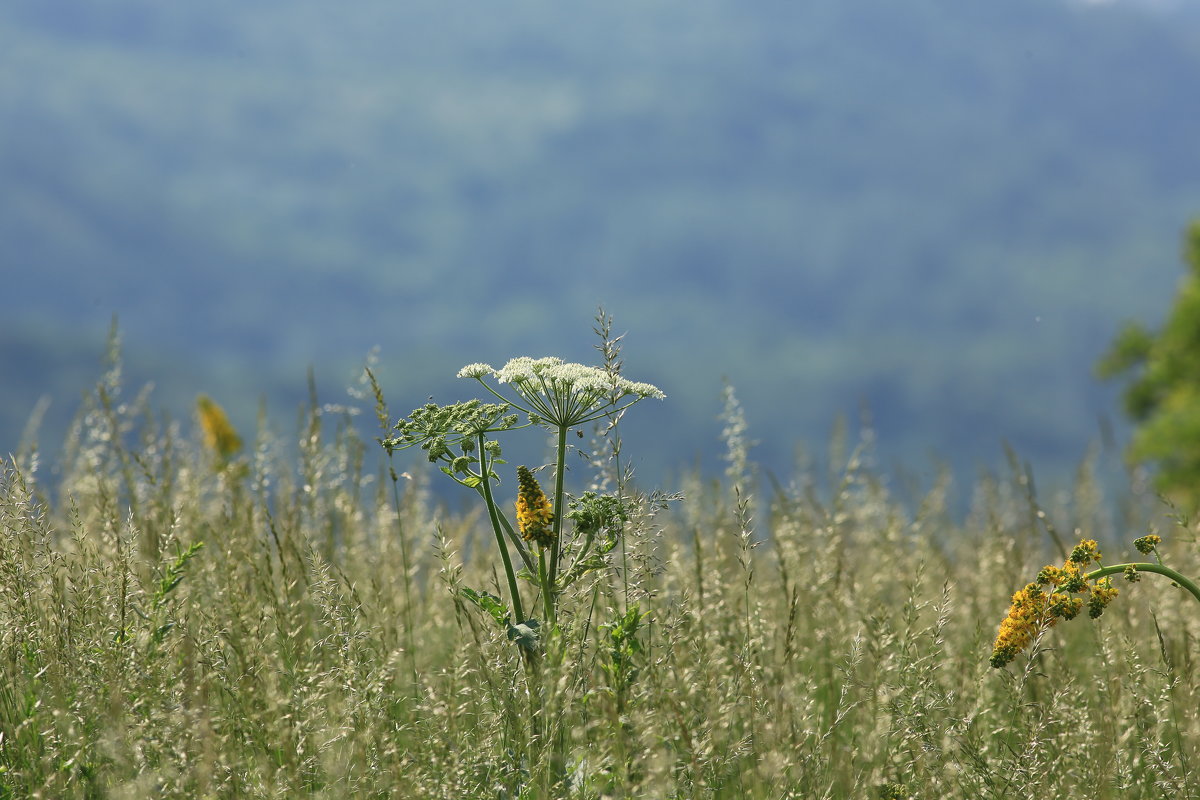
(934,213)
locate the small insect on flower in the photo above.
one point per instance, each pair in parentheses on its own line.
(535,516)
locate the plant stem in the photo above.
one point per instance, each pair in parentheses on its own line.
(1183,581)
(547,596)
(408,606)
(556,548)
(494,516)
(522,551)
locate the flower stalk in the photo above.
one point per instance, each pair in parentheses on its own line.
(559,396)
(494,517)
(554,395)
(1059,594)
(463,439)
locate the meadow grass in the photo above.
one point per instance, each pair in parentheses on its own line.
(176,622)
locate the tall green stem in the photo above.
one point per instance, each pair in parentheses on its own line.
(556,548)
(547,595)
(513,538)
(1182,580)
(494,515)
(408,606)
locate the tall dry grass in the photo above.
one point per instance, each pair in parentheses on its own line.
(278,627)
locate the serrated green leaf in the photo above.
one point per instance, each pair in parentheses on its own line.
(489,603)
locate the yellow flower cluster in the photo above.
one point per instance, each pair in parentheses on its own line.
(1033,610)
(535,516)
(219,434)
(1146,544)
(1027,616)
(1102,594)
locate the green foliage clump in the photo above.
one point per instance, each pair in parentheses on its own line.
(1163,394)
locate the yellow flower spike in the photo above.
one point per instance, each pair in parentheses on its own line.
(535,516)
(1051,575)
(219,434)
(1064,606)
(1027,617)
(1146,544)
(1071,578)
(1034,610)
(1085,552)
(1103,593)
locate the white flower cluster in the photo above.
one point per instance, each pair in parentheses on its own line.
(475,371)
(554,371)
(563,393)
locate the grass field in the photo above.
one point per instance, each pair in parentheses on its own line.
(279,624)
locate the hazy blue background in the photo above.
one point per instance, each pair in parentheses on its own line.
(940,210)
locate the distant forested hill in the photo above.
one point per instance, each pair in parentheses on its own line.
(941,210)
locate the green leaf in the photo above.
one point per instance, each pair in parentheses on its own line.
(489,603)
(471,481)
(161,631)
(525,634)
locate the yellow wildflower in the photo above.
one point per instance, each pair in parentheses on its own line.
(1064,606)
(1071,578)
(1050,574)
(1033,610)
(1026,618)
(1085,553)
(219,434)
(1146,544)
(1102,594)
(535,517)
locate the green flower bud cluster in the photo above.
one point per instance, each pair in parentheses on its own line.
(450,434)
(595,513)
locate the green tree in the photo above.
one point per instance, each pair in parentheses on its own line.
(1163,394)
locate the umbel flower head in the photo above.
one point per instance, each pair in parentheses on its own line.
(1034,610)
(535,516)
(435,428)
(560,393)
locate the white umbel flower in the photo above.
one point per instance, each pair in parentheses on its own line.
(475,371)
(560,393)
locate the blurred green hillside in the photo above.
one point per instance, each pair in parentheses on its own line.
(938,210)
